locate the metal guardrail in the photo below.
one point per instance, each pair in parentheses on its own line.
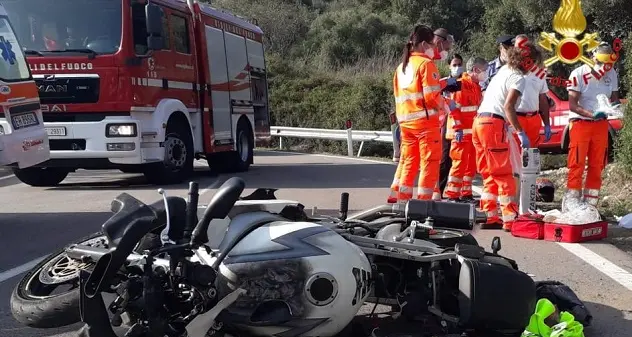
(348,135)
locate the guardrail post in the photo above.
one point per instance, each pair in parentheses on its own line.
(360,149)
(349,138)
(280,143)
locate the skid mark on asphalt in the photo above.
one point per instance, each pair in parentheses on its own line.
(593,259)
(15,271)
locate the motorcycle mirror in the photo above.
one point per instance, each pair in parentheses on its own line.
(496,245)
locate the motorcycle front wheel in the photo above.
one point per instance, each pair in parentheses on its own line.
(48,295)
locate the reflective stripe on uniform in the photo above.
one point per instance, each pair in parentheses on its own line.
(436,196)
(469,108)
(416,115)
(467,131)
(453,179)
(591,193)
(467,178)
(409,97)
(406,189)
(505,199)
(453,189)
(431,89)
(488,196)
(425,191)
(466,188)
(509,217)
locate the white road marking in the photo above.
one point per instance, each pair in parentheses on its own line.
(593,259)
(13,272)
(600,263)
(7,177)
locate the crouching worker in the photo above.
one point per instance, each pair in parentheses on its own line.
(588,128)
(417,101)
(491,138)
(459,131)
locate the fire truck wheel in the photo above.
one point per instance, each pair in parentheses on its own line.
(235,161)
(41,176)
(178,162)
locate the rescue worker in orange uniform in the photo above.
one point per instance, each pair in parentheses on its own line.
(459,130)
(588,125)
(418,102)
(491,138)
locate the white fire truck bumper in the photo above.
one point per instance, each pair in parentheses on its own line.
(118,139)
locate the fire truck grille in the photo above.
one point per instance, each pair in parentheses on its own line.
(65,90)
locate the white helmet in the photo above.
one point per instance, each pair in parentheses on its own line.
(301,278)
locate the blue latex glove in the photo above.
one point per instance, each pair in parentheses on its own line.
(458,135)
(450,81)
(599,115)
(524,140)
(452,105)
(547,133)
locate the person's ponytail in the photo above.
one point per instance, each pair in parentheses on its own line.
(407,50)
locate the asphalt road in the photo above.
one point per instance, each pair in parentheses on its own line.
(35,221)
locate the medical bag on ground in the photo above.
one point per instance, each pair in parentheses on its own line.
(528,226)
(575,233)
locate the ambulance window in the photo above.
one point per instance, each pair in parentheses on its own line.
(180,34)
(13,66)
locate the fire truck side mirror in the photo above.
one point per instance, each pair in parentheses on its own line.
(153,17)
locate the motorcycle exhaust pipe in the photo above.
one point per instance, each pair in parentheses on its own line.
(378,212)
(93,254)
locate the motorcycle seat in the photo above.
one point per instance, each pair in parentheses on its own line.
(243,224)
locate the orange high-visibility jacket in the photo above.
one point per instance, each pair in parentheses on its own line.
(467,101)
(417,92)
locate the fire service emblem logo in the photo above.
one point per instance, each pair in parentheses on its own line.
(570,22)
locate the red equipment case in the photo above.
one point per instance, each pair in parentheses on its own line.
(575,233)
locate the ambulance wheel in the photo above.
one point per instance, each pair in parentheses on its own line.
(240,159)
(41,176)
(177,164)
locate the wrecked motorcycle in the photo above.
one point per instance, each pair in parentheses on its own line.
(277,271)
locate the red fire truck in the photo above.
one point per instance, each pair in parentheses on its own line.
(143,86)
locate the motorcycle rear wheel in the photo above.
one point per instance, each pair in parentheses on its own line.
(33,302)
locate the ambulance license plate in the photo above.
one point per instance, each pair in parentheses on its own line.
(24,120)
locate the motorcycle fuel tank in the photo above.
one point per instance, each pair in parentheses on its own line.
(301,279)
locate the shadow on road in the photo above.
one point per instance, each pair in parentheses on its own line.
(28,236)
(608,321)
(107,181)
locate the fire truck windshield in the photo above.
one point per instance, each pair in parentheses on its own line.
(72,26)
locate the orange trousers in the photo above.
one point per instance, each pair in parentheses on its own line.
(588,138)
(420,153)
(463,168)
(493,162)
(531,126)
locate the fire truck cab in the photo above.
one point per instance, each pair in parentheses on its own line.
(23,140)
(143,86)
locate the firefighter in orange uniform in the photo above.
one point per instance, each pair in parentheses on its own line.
(418,101)
(459,130)
(588,129)
(491,137)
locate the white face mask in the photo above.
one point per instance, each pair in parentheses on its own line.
(482,76)
(443,55)
(430,52)
(456,71)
